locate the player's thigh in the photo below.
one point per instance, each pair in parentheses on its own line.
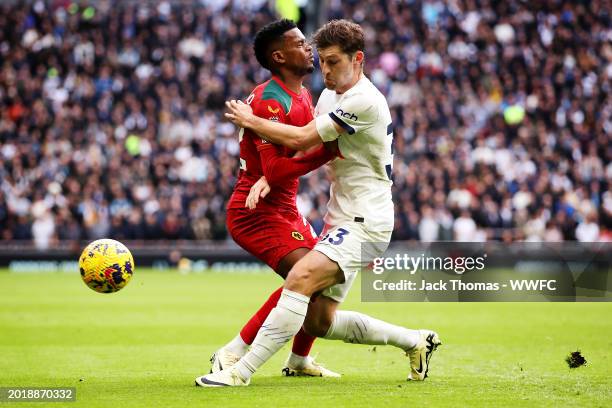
(313,273)
(289,260)
(352,247)
(269,237)
(304,234)
(320,315)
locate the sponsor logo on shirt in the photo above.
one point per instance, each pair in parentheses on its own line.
(347,115)
(296,235)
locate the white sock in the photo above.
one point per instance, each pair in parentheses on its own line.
(297,361)
(237,346)
(354,327)
(283,322)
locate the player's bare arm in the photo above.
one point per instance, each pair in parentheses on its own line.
(296,138)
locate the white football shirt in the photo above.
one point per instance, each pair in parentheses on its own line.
(361,180)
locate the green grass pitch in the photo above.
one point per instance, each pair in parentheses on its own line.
(143,347)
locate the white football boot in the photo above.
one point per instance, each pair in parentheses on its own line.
(421,354)
(223,359)
(310,369)
(230,377)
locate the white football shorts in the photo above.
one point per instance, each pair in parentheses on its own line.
(353,248)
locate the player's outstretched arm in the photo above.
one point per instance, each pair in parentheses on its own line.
(278,168)
(296,138)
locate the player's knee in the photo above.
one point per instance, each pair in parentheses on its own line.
(312,273)
(300,279)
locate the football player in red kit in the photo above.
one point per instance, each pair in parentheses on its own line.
(275,231)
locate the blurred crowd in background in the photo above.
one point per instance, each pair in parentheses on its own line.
(111,117)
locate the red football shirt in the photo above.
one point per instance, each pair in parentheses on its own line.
(274,101)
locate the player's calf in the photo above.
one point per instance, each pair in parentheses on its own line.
(320,316)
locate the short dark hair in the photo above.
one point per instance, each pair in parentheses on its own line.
(343,33)
(266,37)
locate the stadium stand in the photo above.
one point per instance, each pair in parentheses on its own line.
(111,117)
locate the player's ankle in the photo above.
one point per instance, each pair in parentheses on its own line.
(237,346)
(297,361)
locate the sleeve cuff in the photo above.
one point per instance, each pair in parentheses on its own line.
(325,128)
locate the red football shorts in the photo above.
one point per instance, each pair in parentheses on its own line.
(270,236)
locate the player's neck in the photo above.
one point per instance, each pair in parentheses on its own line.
(291,81)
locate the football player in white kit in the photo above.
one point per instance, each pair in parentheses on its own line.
(359,218)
